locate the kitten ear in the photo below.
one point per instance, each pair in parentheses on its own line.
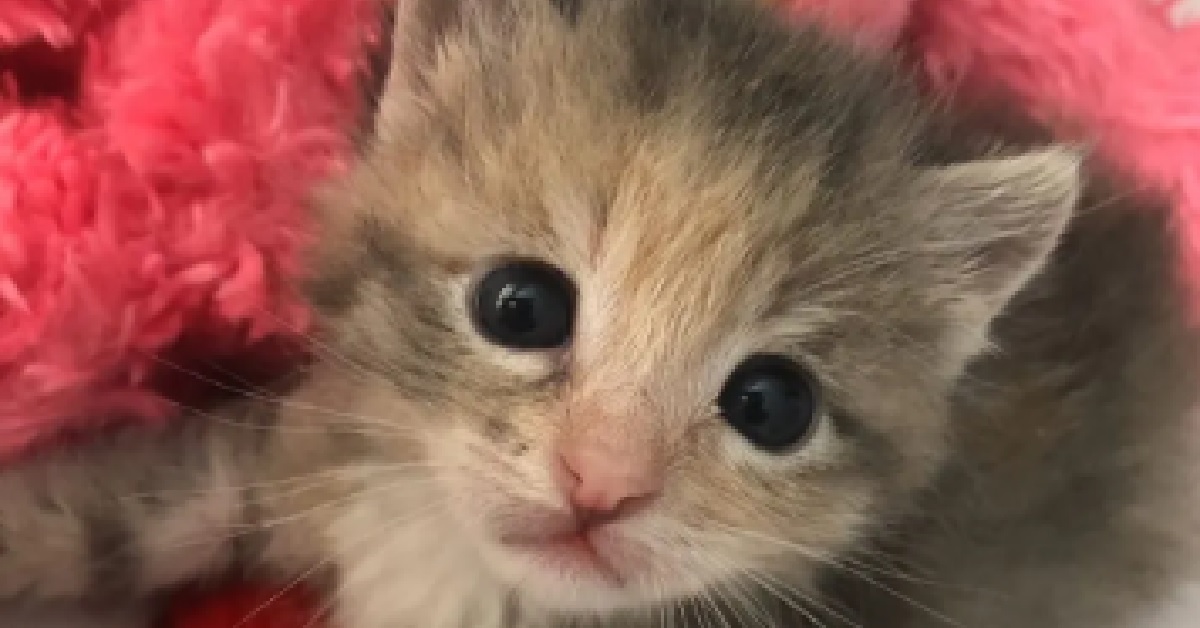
(418,26)
(419,29)
(996,222)
(416,31)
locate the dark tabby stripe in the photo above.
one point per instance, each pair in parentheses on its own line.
(569,8)
(113,560)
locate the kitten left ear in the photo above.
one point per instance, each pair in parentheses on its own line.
(416,30)
(420,32)
(996,221)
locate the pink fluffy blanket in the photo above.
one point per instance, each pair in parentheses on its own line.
(154,161)
(155,156)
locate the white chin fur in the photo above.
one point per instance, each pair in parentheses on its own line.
(402,569)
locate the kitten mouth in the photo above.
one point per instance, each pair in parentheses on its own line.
(571,548)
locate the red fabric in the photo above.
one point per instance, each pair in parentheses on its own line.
(247,607)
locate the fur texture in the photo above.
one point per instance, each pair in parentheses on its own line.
(996,331)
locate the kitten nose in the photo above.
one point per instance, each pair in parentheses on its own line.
(602,484)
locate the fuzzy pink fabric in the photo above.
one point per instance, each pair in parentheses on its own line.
(154,161)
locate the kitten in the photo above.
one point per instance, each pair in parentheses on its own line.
(655,310)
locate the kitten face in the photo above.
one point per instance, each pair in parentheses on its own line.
(766,296)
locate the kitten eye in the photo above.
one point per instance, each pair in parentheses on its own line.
(770,401)
(525,305)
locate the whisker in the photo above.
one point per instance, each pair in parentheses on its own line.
(795,599)
(334,503)
(298,482)
(751,608)
(323,348)
(815,556)
(295,582)
(308,573)
(322,612)
(282,401)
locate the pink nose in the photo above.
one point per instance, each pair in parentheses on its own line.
(602,484)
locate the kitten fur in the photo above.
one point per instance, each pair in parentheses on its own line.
(997,329)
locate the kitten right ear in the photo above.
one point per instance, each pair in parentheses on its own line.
(994,223)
